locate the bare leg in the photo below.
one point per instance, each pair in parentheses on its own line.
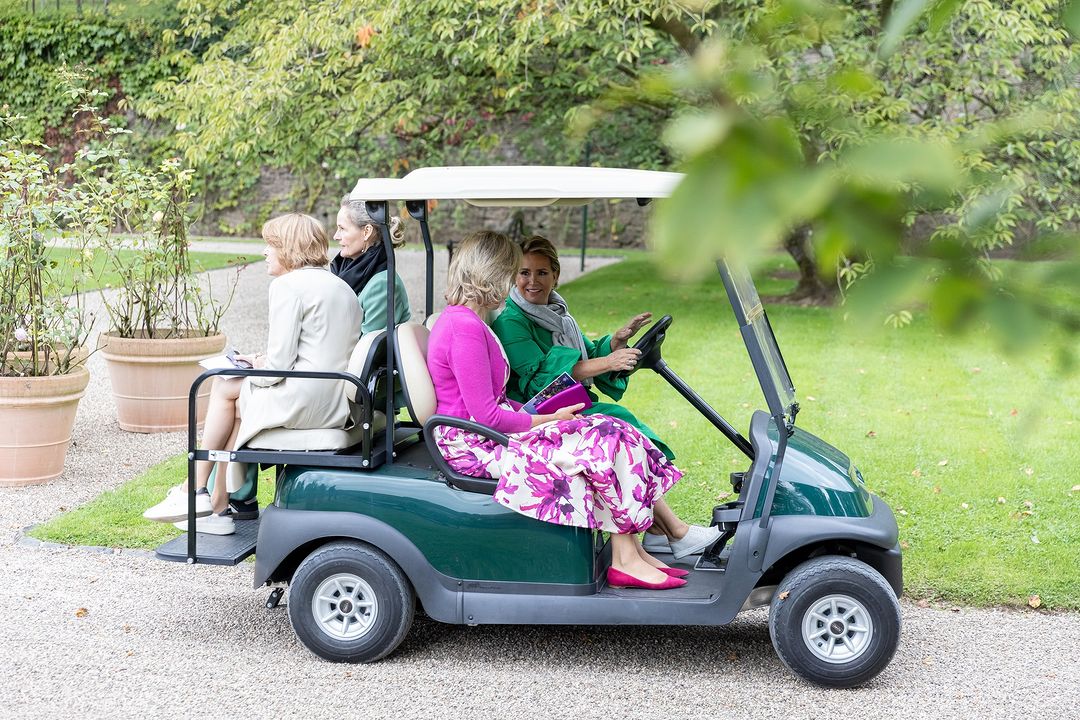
(220,497)
(218,426)
(668,522)
(649,558)
(626,558)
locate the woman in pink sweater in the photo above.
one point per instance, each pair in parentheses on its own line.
(593,471)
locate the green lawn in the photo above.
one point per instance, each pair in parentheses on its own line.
(200,261)
(114,518)
(974,452)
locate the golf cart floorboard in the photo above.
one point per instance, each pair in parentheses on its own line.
(215,549)
(700,585)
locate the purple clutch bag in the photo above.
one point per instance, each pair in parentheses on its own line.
(572,395)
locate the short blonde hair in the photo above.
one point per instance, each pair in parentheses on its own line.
(483,269)
(299,239)
(540,245)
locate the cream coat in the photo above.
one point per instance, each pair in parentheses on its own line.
(314,324)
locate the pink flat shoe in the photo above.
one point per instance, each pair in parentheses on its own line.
(674,572)
(619,579)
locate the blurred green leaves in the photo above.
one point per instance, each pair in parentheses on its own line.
(1071,17)
(792,135)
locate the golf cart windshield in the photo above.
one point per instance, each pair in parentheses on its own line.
(760,342)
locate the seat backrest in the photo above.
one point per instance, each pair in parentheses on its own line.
(365,358)
(431,319)
(416,382)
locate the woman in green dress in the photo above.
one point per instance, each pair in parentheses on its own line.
(542,341)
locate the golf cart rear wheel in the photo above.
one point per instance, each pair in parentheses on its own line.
(348,602)
(835,621)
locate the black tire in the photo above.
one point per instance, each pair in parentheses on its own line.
(364,598)
(862,635)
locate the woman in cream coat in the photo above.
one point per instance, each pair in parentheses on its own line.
(314,323)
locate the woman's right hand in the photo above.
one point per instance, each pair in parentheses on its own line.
(623,359)
(568,413)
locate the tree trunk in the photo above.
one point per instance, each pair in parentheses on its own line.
(813,289)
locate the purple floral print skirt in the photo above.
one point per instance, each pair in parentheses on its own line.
(594,472)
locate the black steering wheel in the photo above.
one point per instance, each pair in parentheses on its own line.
(649,345)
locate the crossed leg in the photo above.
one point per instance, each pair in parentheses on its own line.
(219,433)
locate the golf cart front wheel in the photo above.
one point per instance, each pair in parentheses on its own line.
(835,621)
(348,602)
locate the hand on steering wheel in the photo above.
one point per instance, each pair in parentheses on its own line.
(623,359)
(647,347)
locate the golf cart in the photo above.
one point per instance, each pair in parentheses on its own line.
(367,522)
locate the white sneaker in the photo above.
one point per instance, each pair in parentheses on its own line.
(174,506)
(211,525)
(655,544)
(697,538)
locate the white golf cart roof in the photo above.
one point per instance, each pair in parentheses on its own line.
(519,185)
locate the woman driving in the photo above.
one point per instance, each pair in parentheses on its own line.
(542,340)
(592,471)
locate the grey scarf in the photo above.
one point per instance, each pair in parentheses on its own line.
(556,317)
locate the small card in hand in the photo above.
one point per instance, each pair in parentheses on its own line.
(228,360)
(561,392)
(231,357)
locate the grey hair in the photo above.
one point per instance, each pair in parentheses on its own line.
(358,216)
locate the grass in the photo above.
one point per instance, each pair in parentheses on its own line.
(974,451)
(200,261)
(149,10)
(114,518)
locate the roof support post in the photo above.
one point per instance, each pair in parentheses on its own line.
(419,211)
(378,211)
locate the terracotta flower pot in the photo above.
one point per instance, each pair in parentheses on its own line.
(36,417)
(151,379)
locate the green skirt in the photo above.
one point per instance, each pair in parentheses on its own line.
(618,411)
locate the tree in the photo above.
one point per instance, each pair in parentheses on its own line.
(359,86)
(838,125)
(826,127)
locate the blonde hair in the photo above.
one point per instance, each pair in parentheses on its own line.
(483,269)
(358,216)
(540,245)
(299,239)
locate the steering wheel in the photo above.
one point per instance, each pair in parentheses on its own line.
(649,345)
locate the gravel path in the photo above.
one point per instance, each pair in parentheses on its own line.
(108,634)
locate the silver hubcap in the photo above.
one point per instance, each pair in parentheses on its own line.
(837,629)
(345,607)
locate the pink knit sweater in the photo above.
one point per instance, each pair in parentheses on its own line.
(469,372)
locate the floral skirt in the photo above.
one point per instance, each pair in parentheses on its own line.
(594,472)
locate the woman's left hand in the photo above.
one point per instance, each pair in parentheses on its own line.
(256,361)
(620,337)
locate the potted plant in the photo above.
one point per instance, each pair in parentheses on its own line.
(42,324)
(163,318)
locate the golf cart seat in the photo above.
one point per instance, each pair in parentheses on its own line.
(419,394)
(368,355)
